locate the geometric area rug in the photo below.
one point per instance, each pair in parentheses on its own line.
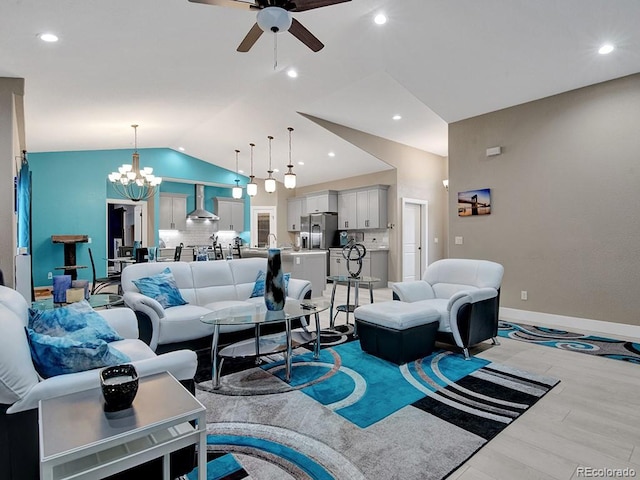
(576,342)
(350,415)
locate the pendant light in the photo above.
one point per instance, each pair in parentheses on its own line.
(290,177)
(270,182)
(236,192)
(252,187)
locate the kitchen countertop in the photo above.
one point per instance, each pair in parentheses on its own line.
(369,249)
(283,252)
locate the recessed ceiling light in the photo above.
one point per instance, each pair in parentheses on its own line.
(275,170)
(240,171)
(300,163)
(380,19)
(181,149)
(48,37)
(606,48)
(292,73)
(331,154)
(397,117)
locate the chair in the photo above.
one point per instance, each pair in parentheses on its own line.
(177,254)
(465,293)
(100,283)
(142,255)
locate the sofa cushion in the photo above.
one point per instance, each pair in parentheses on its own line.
(462,271)
(448,290)
(17,375)
(79,321)
(183,323)
(61,355)
(397,315)
(181,272)
(134,349)
(213,281)
(439,305)
(259,285)
(162,287)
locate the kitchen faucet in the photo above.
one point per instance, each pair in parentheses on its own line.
(275,239)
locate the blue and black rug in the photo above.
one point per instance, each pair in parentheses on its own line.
(575,342)
(349,415)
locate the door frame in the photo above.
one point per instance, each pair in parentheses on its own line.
(424,233)
(273,224)
(143,216)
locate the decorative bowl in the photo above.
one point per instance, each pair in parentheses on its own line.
(119,386)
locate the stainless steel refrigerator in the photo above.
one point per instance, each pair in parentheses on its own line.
(319,231)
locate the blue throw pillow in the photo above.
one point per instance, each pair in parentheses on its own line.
(161,287)
(78,321)
(258,287)
(61,355)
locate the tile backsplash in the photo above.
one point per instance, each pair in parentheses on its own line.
(198,232)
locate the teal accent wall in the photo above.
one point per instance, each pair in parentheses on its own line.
(70,191)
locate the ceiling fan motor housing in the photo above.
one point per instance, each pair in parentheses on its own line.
(274,19)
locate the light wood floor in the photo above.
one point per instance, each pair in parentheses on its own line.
(591,419)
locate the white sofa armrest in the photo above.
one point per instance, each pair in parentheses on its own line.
(298,288)
(122,320)
(471,296)
(150,307)
(181,364)
(413,291)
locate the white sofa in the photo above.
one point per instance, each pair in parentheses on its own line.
(21,388)
(206,286)
(466,295)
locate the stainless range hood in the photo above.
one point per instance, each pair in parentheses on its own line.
(200,213)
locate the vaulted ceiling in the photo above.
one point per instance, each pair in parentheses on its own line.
(171,66)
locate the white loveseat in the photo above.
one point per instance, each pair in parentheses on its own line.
(466,295)
(21,388)
(206,286)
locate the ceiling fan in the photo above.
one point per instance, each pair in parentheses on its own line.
(275,16)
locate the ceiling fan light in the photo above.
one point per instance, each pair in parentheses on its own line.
(274,19)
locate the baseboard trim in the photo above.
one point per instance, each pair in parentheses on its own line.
(570,323)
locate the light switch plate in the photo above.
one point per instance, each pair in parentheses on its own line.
(458,240)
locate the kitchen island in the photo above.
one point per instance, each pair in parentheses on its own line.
(308,265)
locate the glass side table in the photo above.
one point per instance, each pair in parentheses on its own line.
(99,300)
(349,307)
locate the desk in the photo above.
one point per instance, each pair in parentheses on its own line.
(96,301)
(349,308)
(248,313)
(79,440)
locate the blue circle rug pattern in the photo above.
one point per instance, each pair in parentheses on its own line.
(576,342)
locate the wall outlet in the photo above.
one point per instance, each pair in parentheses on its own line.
(50,276)
(297,260)
(523,295)
(435,240)
(458,240)
(88,239)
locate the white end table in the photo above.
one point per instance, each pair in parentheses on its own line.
(79,440)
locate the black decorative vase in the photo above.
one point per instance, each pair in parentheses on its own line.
(274,292)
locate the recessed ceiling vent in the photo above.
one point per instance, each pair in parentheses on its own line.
(200,213)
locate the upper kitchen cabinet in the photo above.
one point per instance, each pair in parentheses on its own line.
(326,201)
(363,208)
(231,213)
(296,207)
(173,211)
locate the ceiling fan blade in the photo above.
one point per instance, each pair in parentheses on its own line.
(229,3)
(302,5)
(305,36)
(251,38)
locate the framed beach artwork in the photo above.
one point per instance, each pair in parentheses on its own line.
(474,202)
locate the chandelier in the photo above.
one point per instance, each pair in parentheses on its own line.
(252,186)
(270,182)
(236,192)
(290,177)
(132,182)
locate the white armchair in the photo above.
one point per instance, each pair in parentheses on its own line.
(466,294)
(21,388)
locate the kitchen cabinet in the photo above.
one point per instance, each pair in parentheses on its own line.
(363,208)
(173,211)
(296,207)
(231,213)
(347,210)
(326,201)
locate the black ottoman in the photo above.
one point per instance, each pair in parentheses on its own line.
(397,331)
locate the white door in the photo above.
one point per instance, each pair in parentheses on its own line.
(263,227)
(414,227)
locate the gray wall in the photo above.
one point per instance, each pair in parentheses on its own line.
(12,142)
(565,217)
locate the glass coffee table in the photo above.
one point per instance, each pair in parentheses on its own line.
(98,300)
(249,313)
